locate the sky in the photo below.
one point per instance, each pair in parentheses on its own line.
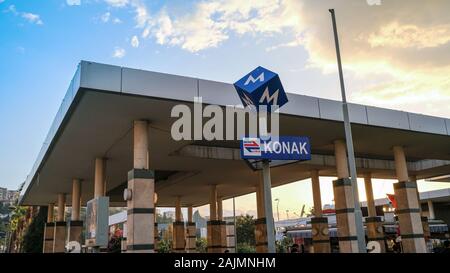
(396,54)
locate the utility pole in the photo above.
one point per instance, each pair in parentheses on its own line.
(349,142)
(278,212)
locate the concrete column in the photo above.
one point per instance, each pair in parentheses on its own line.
(213,203)
(214,225)
(50,213)
(99,178)
(49,231)
(190,233)
(75,225)
(141,185)
(179,240)
(374,224)
(220,209)
(408,210)
(344,202)
(431,209)
(319,224)
(260,223)
(424,219)
(371,211)
(223,224)
(76,199)
(340,154)
(316,193)
(59,237)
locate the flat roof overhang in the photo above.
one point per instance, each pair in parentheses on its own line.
(96,115)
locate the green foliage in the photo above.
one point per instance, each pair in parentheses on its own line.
(32,240)
(245,248)
(201,245)
(17,214)
(283,245)
(245,230)
(164,246)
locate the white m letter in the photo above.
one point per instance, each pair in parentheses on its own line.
(253,80)
(269,98)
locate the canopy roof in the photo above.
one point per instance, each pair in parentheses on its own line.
(95,120)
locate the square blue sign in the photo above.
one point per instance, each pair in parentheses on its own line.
(261,87)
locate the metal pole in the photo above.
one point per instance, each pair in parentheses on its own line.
(278,211)
(234,219)
(349,142)
(268,207)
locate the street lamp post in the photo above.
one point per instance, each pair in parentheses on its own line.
(349,143)
(278,212)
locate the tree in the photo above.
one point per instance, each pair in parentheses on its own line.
(245,229)
(201,245)
(32,240)
(311,212)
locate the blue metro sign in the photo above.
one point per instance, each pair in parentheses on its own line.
(261,87)
(280,148)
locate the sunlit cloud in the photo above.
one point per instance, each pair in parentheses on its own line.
(118,52)
(406,36)
(135,41)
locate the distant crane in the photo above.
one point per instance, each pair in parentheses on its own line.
(303,211)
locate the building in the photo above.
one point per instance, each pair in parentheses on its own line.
(124,115)
(3,194)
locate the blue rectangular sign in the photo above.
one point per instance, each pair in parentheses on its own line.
(279,148)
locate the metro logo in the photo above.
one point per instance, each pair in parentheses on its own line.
(252,147)
(261,87)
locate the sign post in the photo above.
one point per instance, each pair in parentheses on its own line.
(262,88)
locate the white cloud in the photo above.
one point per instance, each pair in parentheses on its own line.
(135,41)
(211,22)
(32,18)
(105,17)
(118,52)
(117,21)
(117,3)
(409,35)
(73,2)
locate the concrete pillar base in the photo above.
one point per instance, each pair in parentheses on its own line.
(409,219)
(191,237)
(261,235)
(230,237)
(320,235)
(75,230)
(179,241)
(59,238)
(375,232)
(141,218)
(49,232)
(345,215)
(216,242)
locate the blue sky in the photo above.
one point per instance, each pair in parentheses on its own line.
(390,59)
